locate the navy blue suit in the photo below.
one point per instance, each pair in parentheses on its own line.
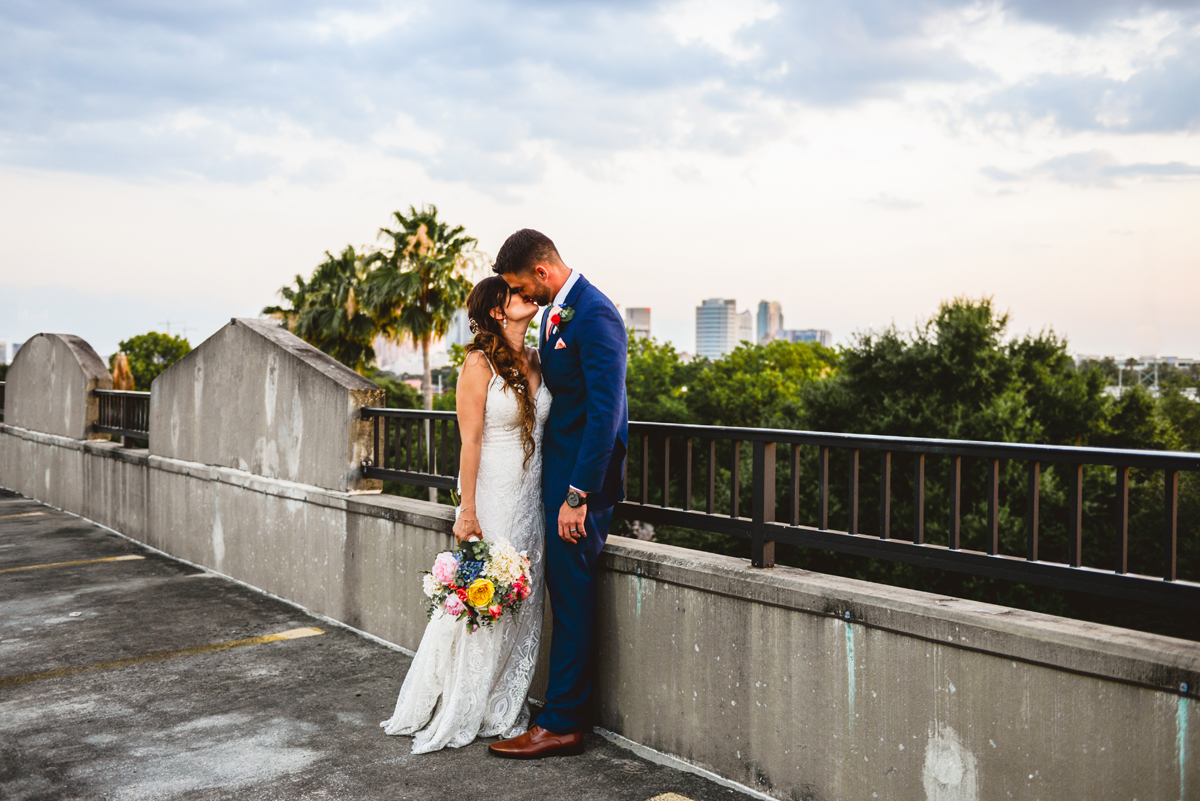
(583,446)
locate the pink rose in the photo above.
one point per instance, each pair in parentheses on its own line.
(495,610)
(523,590)
(444,567)
(454,607)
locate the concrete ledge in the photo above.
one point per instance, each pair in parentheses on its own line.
(1116,654)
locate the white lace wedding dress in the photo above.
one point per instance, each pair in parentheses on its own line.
(465,685)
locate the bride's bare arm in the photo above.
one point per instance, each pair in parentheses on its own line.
(470,396)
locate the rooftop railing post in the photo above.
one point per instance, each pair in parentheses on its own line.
(955,503)
(1075,523)
(762,551)
(919,499)
(852,528)
(1122,520)
(993,507)
(823,488)
(885,495)
(1033,511)
(1171,515)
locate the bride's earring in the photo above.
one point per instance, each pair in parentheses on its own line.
(504,322)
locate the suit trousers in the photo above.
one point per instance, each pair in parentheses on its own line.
(570,578)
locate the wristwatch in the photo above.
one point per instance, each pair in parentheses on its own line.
(575,500)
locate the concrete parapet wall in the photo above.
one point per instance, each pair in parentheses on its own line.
(803,685)
(257,398)
(49,385)
(817,687)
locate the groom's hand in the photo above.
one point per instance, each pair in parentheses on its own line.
(570,523)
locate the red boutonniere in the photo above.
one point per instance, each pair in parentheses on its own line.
(561,317)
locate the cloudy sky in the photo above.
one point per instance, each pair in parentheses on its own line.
(858,161)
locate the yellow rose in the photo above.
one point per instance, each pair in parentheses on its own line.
(480,593)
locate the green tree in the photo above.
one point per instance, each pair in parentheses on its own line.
(759,385)
(326,311)
(421,283)
(657,381)
(149,354)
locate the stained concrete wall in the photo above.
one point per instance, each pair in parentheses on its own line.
(255,397)
(802,685)
(49,384)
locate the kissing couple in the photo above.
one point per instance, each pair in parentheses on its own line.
(544,434)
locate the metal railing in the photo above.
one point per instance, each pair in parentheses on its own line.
(674,466)
(124,414)
(413,446)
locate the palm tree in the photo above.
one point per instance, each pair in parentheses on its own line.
(325,311)
(418,287)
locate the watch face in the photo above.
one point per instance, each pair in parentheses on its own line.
(573,499)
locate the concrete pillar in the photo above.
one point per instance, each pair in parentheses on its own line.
(49,387)
(257,398)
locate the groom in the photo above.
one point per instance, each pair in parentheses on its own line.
(583,351)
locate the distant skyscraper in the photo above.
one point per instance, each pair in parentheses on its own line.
(639,320)
(717,327)
(770,320)
(3,353)
(746,327)
(460,329)
(818,335)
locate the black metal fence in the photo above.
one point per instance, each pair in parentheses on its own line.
(413,447)
(124,414)
(806,489)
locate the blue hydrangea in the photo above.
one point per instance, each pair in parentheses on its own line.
(468,572)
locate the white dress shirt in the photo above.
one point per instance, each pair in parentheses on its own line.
(561,297)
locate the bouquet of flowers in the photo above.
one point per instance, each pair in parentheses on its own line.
(478,583)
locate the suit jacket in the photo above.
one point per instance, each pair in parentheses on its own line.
(587,433)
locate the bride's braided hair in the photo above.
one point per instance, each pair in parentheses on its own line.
(489,294)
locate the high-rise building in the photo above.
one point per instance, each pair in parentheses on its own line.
(818,335)
(770,320)
(746,327)
(459,332)
(639,320)
(717,327)
(3,352)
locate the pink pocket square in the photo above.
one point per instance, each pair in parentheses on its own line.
(560,344)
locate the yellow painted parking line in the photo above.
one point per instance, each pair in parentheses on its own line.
(26,514)
(293,634)
(79,562)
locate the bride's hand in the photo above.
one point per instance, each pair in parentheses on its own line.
(467,527)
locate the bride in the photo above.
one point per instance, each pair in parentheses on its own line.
(465,685)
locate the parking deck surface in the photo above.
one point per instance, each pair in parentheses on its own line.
(125,674)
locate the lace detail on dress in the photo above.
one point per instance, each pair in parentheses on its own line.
(462,686)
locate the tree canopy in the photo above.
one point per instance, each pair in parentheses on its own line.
(326,310)
(422,281)
(149,354)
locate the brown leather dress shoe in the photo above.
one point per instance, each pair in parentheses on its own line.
(538,743)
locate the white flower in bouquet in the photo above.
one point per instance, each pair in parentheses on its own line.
(505,563)
(430,585)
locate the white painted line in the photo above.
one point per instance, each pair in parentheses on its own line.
(666,760)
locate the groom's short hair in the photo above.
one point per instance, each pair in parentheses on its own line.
(524,250)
